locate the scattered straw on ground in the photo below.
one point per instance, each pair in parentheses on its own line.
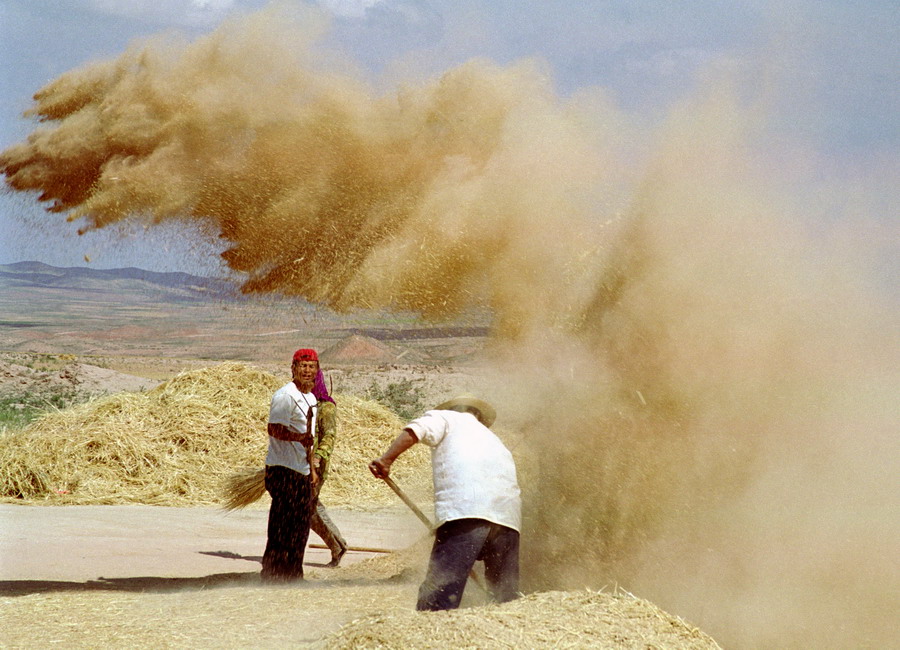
(406,564)
(555,619)
(244,615)
(337,615)
(178,443)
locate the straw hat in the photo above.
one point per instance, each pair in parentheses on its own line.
(488,414)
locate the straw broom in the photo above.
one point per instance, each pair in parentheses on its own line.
(243,488)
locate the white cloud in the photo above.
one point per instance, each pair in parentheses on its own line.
(349,8)
(196,13)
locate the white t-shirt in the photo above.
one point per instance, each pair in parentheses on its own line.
(474,473)
(289,407)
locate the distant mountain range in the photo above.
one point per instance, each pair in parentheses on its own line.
(135,312)
(177,285)
(59,289)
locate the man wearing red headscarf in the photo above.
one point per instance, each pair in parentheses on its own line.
(290,470)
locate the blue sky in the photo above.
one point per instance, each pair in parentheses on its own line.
(832,69)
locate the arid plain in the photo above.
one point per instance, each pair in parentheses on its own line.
(152,326)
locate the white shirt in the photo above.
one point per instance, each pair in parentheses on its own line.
(289,407)
(474,474)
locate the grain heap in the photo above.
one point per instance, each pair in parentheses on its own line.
(557,619)
(175,444)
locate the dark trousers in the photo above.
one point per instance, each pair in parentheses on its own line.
(457,546)
(288,529)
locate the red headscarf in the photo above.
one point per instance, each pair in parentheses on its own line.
(320,390)
(306,354)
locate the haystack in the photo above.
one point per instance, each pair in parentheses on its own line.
(176,444)
(553,619)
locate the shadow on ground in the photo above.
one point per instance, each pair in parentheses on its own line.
(147,584)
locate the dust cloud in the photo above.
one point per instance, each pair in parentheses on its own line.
(709,390)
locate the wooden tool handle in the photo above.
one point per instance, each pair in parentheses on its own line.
(408,502)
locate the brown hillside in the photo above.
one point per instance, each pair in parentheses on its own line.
(363,349)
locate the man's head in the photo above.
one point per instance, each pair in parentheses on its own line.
(470,404)
(304,367)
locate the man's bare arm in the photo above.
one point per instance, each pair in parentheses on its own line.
(281,432)
(381,467)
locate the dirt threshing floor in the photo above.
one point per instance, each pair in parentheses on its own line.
(165,577)
(367,604)
(130,574)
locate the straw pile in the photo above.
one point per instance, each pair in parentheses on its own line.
(554,619)
(177,444)
(365,429)
(374,614)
